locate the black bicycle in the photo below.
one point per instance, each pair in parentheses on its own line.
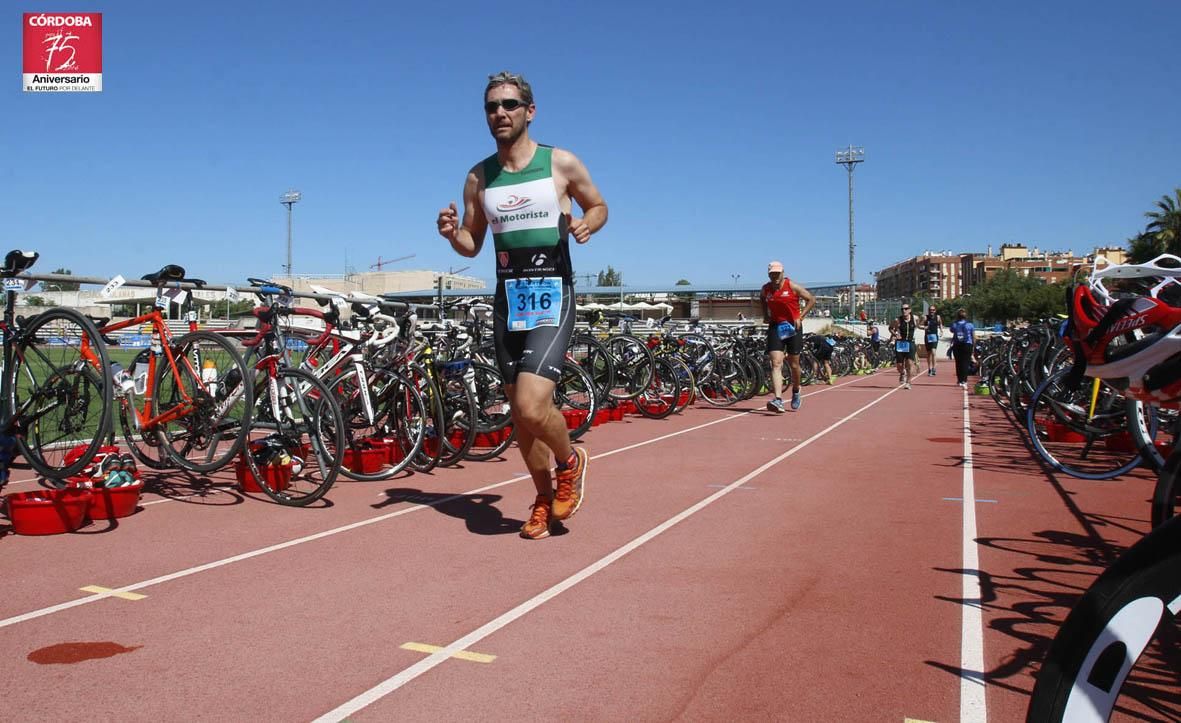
(55,384)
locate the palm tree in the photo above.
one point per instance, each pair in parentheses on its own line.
(1165,223)
(1144,247)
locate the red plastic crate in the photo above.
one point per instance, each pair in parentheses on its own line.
(109,503)
(1120,442)
(278,476)
(1057,432)
(48,512)
(393,450)
(366,460)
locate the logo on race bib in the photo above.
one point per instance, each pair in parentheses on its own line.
(502,257)
(539,259)
(514,203)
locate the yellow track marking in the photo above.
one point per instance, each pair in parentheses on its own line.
(121,595)
(462,654)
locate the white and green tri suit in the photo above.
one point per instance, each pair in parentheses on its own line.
(533,313)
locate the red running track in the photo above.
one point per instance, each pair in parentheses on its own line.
(727,564)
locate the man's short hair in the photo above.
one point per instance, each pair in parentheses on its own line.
(506,78)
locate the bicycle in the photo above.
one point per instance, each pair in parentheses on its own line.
(196,391)
(54,385)
(297,412)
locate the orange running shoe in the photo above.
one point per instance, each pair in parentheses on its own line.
(537,527)
(571,486)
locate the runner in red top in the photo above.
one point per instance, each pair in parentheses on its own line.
(781,310)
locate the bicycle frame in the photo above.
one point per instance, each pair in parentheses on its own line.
(163,337)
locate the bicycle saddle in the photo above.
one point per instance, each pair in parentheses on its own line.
(170,273)
(17,261)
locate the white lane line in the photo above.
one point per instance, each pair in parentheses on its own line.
(972,703)
(15,482)
(405,676)
(338,530)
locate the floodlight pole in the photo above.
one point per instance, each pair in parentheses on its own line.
(849,158)
(289,199)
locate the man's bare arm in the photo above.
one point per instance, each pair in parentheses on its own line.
(582,190)
(809,300)
(467,238)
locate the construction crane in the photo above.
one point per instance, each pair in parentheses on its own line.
(384,262)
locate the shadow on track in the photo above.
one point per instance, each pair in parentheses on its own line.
(477,511)
(1039,578)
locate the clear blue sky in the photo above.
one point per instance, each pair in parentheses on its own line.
(709,128)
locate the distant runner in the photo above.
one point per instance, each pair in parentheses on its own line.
(781,312)
(963,339)
(902,334)
(933,328)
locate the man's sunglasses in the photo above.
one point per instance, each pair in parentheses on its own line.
(509,104)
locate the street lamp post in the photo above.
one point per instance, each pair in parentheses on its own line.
(289,199)
(736,277)
(849,158)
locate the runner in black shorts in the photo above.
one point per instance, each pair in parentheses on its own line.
(525,194)
(793,345)
(903,336)
(539,351)
(933,328)
(781,299)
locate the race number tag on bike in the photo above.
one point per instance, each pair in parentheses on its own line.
(111,286)
(533,302)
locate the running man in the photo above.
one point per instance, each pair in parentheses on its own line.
(934,327)
(902,333)
(524,192)
(781,312)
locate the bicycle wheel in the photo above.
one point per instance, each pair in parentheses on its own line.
(433,422)
(494,415)
(1127,607)
(576,390)
(633,366)
(145,447)
(592,355)
(398,420)
(1073,438)
(60,392)
(1166,495)
(686,391)
(1155,432)
(725,386)
(460,416)
(297,417)
(661,397)
(210,393)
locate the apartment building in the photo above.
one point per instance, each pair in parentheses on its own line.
(937,275)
